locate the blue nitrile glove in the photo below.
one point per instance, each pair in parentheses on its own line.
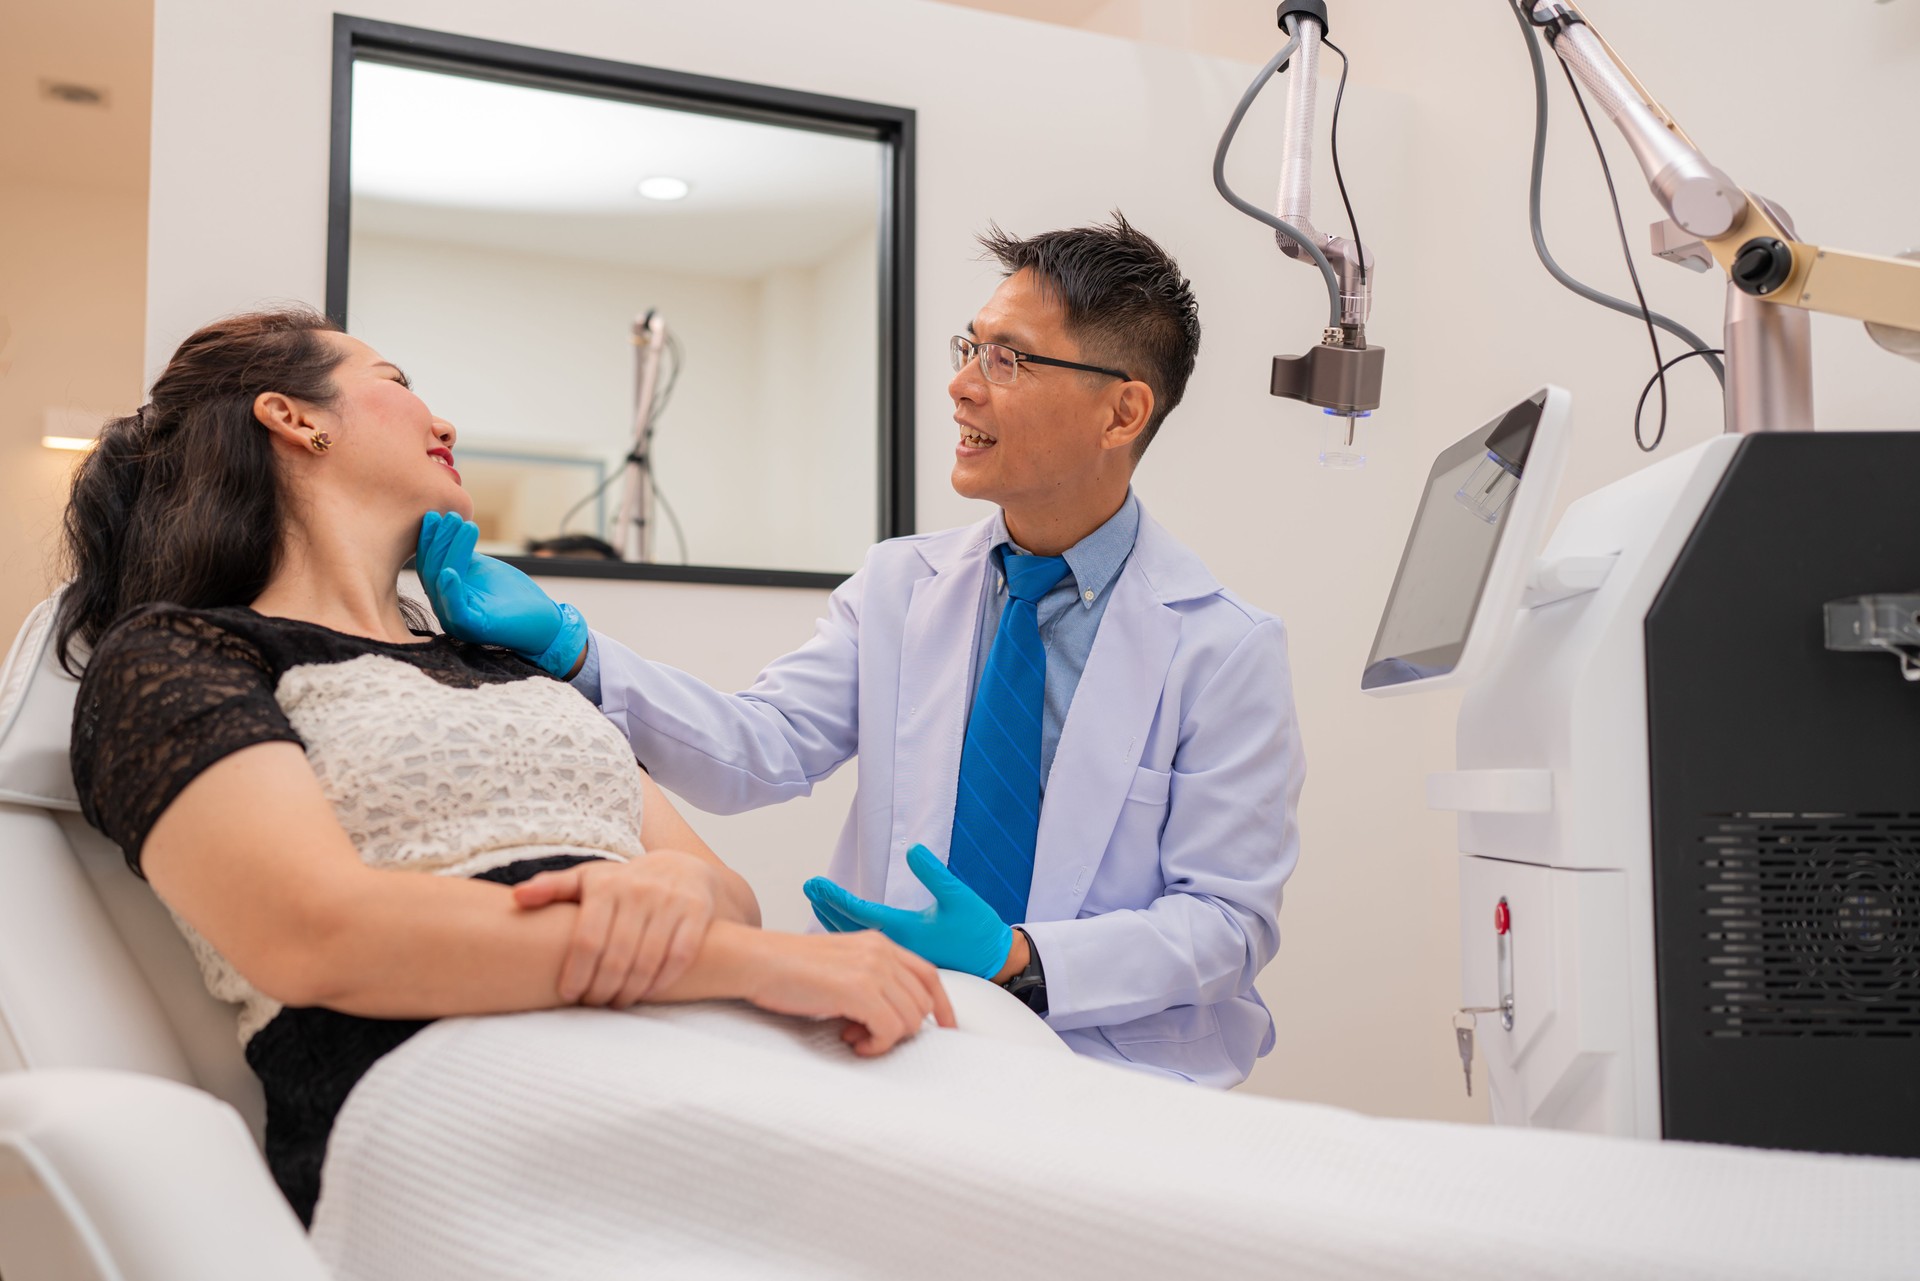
(489,602)
(959,932)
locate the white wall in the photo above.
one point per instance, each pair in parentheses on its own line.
(819,401)
(71,258)
(73,183)
(1436,146)
(1364,978)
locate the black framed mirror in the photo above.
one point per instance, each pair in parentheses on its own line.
(671,316)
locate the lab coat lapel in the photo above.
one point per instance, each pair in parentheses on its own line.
(943,615)
(1101,743)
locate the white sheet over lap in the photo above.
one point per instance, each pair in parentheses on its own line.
(714,1141)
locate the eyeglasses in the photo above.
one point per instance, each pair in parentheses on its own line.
(1001,363)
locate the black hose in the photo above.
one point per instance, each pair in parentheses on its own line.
(1256,212)
(1554,269)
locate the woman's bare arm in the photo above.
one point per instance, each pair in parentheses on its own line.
(662,827)
(251,855)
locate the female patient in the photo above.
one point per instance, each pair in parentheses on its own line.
(283,751)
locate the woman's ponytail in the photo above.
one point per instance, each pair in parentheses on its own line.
(181,502)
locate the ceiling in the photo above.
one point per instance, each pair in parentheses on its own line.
(1066,13)
(480,163)
(104,44)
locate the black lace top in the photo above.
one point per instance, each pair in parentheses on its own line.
(171,691)
(436,756)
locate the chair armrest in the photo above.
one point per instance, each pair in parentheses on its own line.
(138,1178)
(989,1010)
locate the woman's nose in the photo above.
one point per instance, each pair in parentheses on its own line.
(444,432)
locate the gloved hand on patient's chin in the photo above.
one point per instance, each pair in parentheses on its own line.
(489,602)
(959,932)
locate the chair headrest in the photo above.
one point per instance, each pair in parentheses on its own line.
(36,717)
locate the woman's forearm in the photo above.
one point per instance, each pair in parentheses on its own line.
(279,890)
(734,899)
(413,946)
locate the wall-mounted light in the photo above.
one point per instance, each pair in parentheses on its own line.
(662,187)
(71,429)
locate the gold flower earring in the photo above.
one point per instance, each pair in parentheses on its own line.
(320,441)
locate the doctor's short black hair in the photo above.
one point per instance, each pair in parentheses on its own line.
(1127,304)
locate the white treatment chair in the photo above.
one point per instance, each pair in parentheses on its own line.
(109,1167)
(129,1120)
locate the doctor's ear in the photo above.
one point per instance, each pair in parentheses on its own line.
(1132,411)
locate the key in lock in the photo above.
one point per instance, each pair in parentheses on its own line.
(1463,1032)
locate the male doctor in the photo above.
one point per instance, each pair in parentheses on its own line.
(1079,760)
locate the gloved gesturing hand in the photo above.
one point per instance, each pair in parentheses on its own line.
(959,932)
(489,602)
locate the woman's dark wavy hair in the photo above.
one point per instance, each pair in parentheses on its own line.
(182,501)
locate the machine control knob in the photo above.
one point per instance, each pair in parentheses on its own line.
(1762,266)
(1502,918)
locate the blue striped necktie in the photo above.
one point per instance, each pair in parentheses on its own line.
(996,813)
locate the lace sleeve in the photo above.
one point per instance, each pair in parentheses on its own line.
(166,694)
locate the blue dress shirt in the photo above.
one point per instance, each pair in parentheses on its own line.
(1069,614)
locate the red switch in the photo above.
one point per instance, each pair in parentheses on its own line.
(1502,919)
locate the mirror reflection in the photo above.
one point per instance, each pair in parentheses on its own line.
(656,330)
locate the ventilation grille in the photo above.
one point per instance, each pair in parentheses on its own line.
(1812,924)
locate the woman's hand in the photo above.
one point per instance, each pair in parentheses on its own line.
(640,926)
(883,991)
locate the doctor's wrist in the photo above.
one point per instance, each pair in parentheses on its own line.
(1017,956)
(567,651)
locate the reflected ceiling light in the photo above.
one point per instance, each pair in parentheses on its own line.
(664,188)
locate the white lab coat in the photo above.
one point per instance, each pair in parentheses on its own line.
(1168,826)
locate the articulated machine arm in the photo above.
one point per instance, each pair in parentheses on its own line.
(1769,269)
(1342,375)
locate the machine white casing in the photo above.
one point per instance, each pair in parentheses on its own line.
(1507,581)
(1552,791)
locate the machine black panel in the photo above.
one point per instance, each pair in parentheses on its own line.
(1786,808)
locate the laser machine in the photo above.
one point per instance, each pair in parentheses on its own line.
(1688,761)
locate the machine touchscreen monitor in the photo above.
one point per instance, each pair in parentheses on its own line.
(1479,490)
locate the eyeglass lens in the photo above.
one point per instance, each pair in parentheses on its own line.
(996,362)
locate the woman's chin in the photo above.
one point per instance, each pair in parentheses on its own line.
(454,499)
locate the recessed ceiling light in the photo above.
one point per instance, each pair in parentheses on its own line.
(73,94)
(664,188)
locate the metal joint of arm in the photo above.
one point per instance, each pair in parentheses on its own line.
(1714,219)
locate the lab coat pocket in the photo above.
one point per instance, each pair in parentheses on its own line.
(1129,874)
(1184,1040)
(1150,786)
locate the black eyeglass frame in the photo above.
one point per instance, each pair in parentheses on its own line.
(1021,357)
